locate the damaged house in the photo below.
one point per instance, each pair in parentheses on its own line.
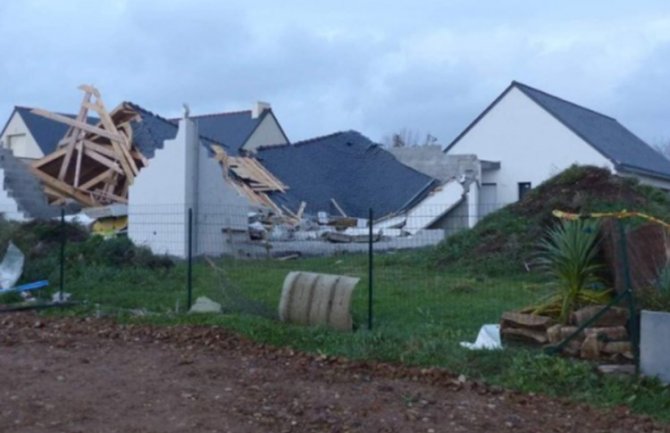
(320,189)
(234,175)
(91,160)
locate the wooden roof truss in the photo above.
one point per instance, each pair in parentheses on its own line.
(93,164)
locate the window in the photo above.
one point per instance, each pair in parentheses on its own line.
(488,199)
(524,187)
(15,140)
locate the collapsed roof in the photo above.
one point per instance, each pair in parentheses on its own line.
(345,173)
(96,164)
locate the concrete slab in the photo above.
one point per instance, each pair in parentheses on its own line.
(205,305)
(654,340)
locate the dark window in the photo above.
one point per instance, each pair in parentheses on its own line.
(524,187)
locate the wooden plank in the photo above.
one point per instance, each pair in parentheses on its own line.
(77,167)
(64,188)
(108,151)
(50,157)
(301,209)
(339,209)
(81,125)
(136,154)
(97,179)
(89,89)
(105,118)
(123,160)
(103,160)
(108,196)
(66,161)
(288,211)
(73,132)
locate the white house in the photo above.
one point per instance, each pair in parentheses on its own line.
(534,135)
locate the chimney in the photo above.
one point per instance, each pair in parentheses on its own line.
(258,109)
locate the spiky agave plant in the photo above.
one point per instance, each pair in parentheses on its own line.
(569,253)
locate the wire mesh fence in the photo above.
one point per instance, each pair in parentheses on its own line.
(421,276)
(242,258)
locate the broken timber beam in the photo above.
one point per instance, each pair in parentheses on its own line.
(76,123)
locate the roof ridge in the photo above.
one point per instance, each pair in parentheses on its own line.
(221,113)
(521,86)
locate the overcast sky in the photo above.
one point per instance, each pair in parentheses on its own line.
(373,66)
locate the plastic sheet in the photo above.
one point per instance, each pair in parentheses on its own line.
(11,267)
(488,338)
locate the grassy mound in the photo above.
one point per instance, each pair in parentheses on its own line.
(505,242)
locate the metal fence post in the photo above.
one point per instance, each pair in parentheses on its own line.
(189,274)
(63,237)
(632,308)
(370,268)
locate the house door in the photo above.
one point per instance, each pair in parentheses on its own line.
(524,187)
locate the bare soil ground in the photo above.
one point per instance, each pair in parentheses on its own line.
(92,375)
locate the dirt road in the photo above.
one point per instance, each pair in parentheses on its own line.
(76,375)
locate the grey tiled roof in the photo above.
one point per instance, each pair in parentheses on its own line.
(347,167)
(232,129)
(150,133)
(626,151)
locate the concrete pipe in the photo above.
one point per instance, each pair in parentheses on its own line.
(315,299)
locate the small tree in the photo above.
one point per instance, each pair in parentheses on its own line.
(569,254)
(408,137)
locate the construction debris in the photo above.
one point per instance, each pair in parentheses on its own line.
(251,179)
(94,165)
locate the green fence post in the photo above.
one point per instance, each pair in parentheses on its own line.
(370,268)
(189,272)
(63,237)
(632,309)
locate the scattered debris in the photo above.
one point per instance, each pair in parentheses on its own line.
(59,297)
(205,305)
(605,339)
(488,338)
(627,369)
(250,178)
(11,267)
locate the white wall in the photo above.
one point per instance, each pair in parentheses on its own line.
(222,214)
(159,198)
(27,148)
(183,175)
(530,144)
(434,206)
(648,180)
(266,134)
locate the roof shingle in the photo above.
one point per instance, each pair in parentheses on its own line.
(347,167)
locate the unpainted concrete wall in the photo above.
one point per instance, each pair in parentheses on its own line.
(654,340)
